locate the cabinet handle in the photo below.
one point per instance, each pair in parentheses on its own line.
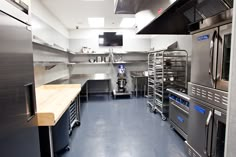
(30,101)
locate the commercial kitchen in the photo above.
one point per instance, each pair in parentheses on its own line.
(122,78)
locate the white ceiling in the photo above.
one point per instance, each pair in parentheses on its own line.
(74,13)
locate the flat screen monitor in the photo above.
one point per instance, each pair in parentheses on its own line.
(110,39)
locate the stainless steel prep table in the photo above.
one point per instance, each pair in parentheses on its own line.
(83,80)
(135,75)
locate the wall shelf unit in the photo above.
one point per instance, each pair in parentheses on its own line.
(89,63)
(39,41)
(129,57)
(130,62)
(50,64)
(100,53)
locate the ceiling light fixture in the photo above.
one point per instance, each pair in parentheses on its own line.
(92,0)
(96,22)
(127,22)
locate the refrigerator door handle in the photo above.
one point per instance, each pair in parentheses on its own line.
(212,48)
(30,102)
(207,132)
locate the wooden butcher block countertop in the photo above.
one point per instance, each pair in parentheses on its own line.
(53,100)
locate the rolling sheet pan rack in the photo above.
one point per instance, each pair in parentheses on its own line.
(166,69)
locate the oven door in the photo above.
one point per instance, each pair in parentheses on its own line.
(224,57)
(203,71)
(218,139)
(200,127)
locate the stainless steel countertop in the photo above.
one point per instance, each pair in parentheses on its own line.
(136,74)
(180,94)
(81,78)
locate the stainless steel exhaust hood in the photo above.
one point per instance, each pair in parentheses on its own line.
(170,16)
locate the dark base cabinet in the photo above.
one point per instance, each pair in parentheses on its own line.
(56,138)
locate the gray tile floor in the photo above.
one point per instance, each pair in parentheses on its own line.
(123,128)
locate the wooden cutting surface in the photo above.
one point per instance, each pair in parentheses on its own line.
(53,100)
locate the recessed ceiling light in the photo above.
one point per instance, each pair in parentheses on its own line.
(127,22)
(96,22)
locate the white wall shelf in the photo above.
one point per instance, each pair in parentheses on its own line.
(100,53)
(131,62)
(89,63)
(37,40)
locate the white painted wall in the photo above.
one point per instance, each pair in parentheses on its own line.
(44,54)
(89,38)
(48,34)
(43,76)
(44,14)
(48,28)
(230,142)
(160,42)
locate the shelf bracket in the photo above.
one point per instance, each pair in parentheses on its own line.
(49,67)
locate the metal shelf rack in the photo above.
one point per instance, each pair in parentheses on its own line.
(151,80)
(167,69)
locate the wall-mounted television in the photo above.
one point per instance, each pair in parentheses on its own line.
(110,39)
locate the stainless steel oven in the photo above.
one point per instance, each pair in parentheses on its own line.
(211,57)
(209,87)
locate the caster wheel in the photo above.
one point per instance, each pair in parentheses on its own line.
(151,110)
(67,148)
(77,123)
(163,118)
(155,111)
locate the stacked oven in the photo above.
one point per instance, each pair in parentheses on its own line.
(209,87)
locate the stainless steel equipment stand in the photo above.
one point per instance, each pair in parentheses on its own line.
(136,75)
(115,94)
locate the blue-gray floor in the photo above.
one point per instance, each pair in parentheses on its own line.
(123,128)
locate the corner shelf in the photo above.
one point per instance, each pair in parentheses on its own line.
(89,63)
(130,62)
(131,52)
(105,53)
(39,41)
(49,64)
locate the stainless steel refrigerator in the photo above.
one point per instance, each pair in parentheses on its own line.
(210,68)
(18,132)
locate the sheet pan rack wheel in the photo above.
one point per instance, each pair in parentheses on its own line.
(163,117)
(77,123)
(67,148)
(153,109)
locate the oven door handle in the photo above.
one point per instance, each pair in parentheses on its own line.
(209,117)
(212,48)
